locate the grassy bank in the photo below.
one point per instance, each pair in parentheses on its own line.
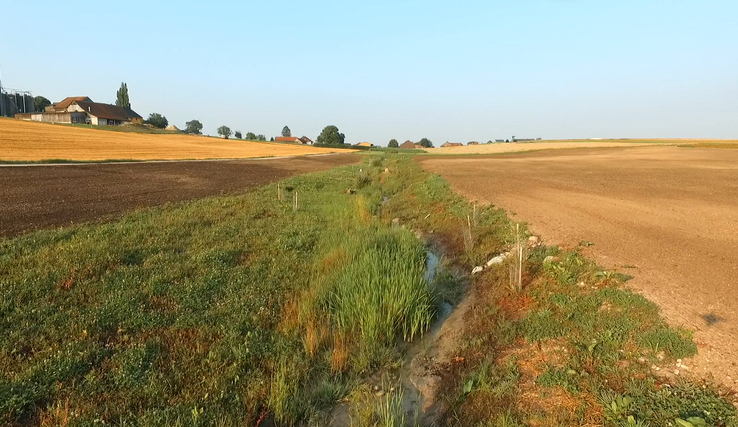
(572,347)
(278,303)
(215,312)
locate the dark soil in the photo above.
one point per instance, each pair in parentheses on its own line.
(36,197)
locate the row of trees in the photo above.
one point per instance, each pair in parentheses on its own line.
(329,136)
(226,133)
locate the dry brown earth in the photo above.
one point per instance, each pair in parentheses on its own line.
(499,148)
(33,141)
(33,197)
(666,215)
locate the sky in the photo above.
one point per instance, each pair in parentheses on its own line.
(445,70)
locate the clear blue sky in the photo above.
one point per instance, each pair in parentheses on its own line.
(453,70)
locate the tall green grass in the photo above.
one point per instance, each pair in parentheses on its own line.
(382,295)
(214,312)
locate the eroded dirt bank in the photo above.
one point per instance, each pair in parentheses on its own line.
(666,215)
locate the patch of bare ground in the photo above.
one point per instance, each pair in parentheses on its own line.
(666,215)
(50,196)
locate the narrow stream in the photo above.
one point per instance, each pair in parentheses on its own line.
(411,376)
(411,373)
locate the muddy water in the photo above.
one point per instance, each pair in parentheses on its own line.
(413,375)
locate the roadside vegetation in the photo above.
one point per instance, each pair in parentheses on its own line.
(269,304)
(279,303)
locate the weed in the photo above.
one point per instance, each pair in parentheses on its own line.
(362,181)
(677,343)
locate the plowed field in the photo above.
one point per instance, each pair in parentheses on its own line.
(666,215)
(33,141)
(33,197)
(499,148)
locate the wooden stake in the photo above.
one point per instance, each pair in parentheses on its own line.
(520,259)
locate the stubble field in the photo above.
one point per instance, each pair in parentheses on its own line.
(32,141)
(666,215)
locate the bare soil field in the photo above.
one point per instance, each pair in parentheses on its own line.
(33,197)
(33,141)
(499,148)
(666,215)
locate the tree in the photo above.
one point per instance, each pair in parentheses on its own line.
(122,97)
(425,142)
(237,134)
(251,136)
(225,132)
(194,127)
(261,137)
(331,136)
(40,103)
(286,131)
(271,139)
(157,120)
(393,143)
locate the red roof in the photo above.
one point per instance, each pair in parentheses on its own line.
(66,102)
(407,144)
(107,111)
(287,139)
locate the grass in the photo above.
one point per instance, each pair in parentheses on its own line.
(213,312)
(230,310)
(580,343)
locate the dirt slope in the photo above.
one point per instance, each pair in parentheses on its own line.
(33,197)
(32,141)
(666,215)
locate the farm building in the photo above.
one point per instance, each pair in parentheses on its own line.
(304,140)
(452,144)
(82,109)
(407,144)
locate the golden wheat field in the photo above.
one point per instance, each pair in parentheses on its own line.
(33,141)
(499,148)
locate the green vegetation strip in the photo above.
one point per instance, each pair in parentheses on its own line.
(283,301)
(212,312)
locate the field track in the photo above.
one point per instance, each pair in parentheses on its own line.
(49,196)
(666,215)
(33,141)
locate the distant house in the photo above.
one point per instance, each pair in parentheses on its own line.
(452,144)
(473,143)
(295,140)
(408,144)
(81,109)
(365,144)
(288,139)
